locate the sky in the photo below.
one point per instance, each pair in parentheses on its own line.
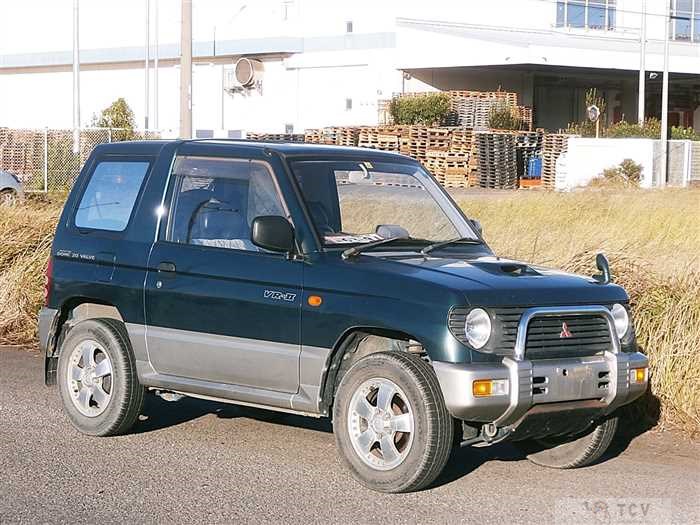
(35,26)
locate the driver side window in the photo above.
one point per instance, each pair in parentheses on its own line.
(214,201)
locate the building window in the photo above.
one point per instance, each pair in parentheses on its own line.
(348,26)
(586,14)
(685,20)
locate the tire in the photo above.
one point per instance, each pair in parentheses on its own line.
(396,461)
(572,453)
(99,406)
(8,197)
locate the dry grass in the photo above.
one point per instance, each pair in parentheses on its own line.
(651,238)
(26,233)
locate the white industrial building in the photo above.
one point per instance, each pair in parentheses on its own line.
(331,63)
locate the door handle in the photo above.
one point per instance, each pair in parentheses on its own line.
(166,267)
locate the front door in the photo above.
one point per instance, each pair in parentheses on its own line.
(217,307)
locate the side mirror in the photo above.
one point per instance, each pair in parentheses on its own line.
(477,226)
(274,233)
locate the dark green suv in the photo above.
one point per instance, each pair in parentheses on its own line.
(330,282)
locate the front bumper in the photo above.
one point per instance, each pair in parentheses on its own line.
(600,383)
(605,379)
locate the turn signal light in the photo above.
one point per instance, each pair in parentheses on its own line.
(489,387)
(315,300)
(638,375)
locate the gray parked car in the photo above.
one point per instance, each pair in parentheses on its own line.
(10,188)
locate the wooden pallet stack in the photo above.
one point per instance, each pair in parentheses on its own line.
(346,136)
(277,137)
(553,145)
(462,167)
(385,139)
(496,160)
(436,164)
(438,139)
(473,108)
(414,143)
(21,151)
(458,173)
(524,113)
(313,136)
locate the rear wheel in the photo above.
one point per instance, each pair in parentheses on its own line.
(8,197)
(571,452)
(97,378)
(391,424)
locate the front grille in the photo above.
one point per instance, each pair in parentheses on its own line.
(589,334)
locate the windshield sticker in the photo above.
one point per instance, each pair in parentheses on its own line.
(352,239)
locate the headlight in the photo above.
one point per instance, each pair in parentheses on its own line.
(622,320)
(477,328)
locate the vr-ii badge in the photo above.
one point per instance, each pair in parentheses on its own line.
(280,296)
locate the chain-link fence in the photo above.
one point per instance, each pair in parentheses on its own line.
(44,159)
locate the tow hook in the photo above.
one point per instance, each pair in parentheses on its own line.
(490,431)
(489,434)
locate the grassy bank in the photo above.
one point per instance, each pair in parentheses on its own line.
(651,238)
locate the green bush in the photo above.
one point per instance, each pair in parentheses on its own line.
(503,116)
(681,133)
(428,110)
(651,129)
(627,174)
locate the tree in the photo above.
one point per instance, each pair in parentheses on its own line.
(117,115)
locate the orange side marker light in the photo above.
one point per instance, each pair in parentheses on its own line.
(315,300)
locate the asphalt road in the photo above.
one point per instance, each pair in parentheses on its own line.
(196,461)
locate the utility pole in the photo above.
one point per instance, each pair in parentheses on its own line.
(186,71)
(642,64)
(664,106)
(76,78)
(148,59)
(155,72)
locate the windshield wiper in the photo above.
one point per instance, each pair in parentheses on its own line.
(436,245)
(351,252)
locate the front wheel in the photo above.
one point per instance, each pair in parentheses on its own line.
(571,452)
(391,424)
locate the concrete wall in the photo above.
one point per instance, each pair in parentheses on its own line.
(586,159)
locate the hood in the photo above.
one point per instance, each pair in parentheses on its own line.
(493,281)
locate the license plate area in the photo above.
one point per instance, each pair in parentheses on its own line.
(573,379)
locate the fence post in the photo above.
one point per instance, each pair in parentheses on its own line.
(109,135)
(46,160)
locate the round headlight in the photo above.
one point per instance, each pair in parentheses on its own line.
(477,328)
(622,320)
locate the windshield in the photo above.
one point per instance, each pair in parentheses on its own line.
(353,202)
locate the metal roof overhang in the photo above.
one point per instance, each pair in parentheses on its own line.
(125,57)
(423,44)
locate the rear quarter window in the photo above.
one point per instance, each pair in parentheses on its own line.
(109,197)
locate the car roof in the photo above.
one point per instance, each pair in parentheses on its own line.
(287,149)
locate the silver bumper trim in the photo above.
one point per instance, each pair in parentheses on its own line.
(605,377)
